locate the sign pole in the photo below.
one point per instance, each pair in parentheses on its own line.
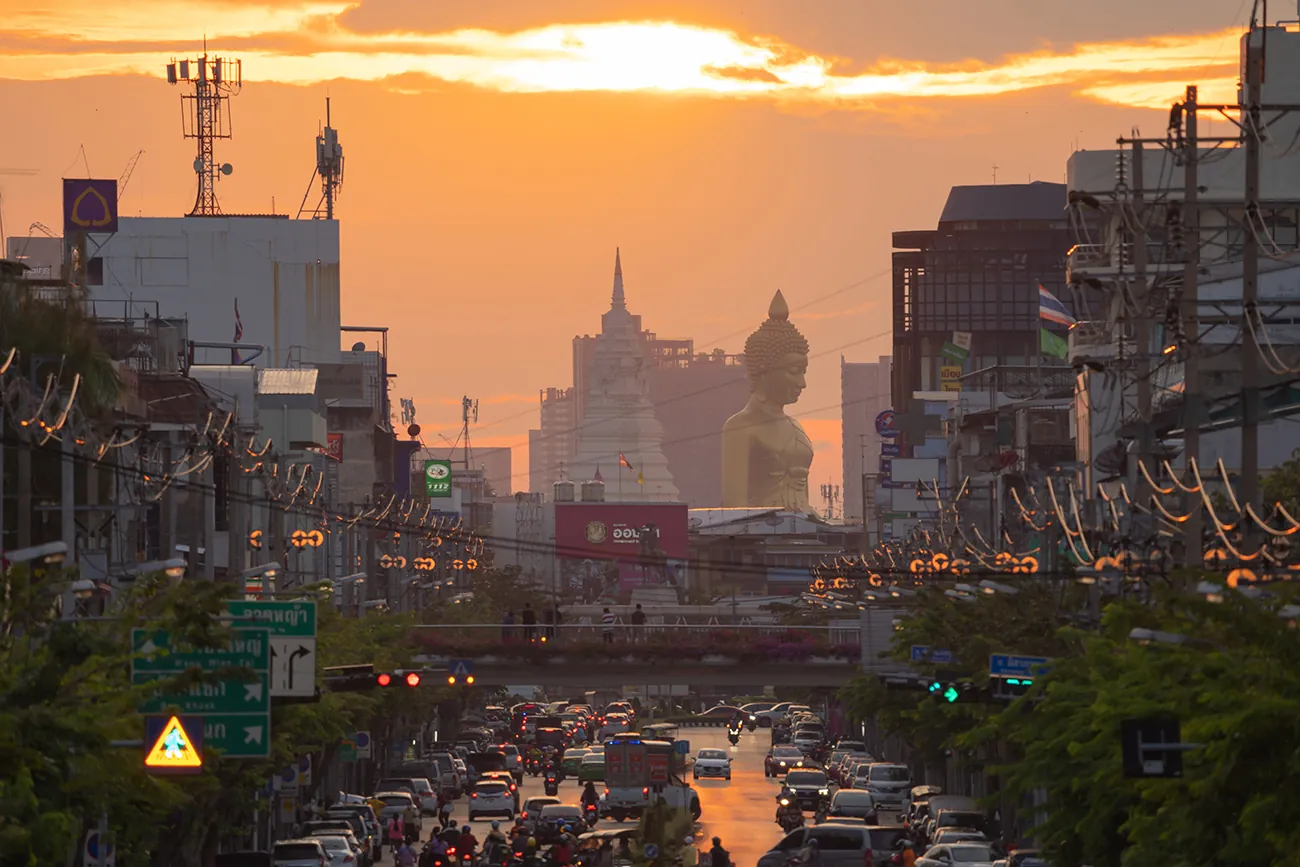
(102,854)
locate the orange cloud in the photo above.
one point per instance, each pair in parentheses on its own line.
(305,42)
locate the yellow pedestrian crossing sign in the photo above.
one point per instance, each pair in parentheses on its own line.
(173,748)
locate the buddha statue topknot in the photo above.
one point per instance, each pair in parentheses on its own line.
(765,453)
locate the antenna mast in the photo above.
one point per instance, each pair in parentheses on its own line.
(468,414)
(205,116)
(329,168)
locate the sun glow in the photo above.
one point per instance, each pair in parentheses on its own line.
(307,43)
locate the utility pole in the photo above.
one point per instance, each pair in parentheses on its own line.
(1250,378)
(1189,315)
(1141,297)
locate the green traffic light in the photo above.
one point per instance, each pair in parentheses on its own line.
(936,686)
(951,693)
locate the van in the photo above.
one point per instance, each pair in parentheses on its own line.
(842,844)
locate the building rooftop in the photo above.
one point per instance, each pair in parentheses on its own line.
(1036,201)
(287,380)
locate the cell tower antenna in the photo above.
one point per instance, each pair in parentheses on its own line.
(329,168)
(205,117)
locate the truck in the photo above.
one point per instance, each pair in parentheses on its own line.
(638,772)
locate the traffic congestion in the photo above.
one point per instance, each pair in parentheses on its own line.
(566,783)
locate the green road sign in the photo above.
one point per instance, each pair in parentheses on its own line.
(279,618)
(248,648)
(347,751)
(238,736)
(222,696)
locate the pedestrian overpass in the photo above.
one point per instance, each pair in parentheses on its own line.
(738,656)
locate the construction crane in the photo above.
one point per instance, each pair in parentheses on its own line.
(127,172)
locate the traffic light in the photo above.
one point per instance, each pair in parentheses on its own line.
(949,692)
(406,678)
(350,678)
(1011,688)
(384,679)
(412,678)
(466,679)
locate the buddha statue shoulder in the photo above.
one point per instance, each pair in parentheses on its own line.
(765,453)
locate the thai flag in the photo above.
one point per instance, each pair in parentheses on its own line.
(239,335)
(1051,308)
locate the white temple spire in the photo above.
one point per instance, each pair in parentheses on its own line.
(619,301)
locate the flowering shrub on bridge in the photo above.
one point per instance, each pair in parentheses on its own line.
(650,646)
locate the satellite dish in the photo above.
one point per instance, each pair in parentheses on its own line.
(359,346)
(198,165)
(413,431)
(227,168)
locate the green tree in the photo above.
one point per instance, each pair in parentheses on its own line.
(1282,485)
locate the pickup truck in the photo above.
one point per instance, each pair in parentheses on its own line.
(622,802)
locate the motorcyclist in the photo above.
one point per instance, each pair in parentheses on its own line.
(737,721)
(719,857)
(467,844)
(496,836)
(908,848)
(690,855)
(450,836)
(589,796)
(788,815)
(811,854)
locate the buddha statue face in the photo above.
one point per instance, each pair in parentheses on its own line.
(776,357)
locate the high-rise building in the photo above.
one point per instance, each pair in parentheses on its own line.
(864,394)
(552,444)
(977,274)
(618,432)
(693,394)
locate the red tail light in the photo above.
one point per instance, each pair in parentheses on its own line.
(451,850)
(512,787)
(646,790)
(524,814)
(473,794)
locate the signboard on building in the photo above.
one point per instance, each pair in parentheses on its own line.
(437,479)
(601,545)
(950,377)
(961,339)
(334,446)
(341,381)
(885,424)
(89,205)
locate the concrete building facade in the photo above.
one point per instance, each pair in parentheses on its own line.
(552,443)
(864,394)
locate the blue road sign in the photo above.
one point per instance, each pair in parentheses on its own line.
(1010,665)
(460,667)
(924,653)
(651,851)
(362,740)
(683,747)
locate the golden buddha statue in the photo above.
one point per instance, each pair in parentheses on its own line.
(765,453)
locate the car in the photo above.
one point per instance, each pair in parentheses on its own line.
(592,768)
(1022,858)
(849,746)
(712,763)
(841,844)
(958,835)
(951,854)
(370,822)
(341,850)
(807,788)
(503,777)
(853,804)
(782,759)
(806,741)
(889,783)
(975,819)
(398,804)
(532,809)
(491,798)
(428,798)
(339,827)
(396,784)
(299,853)
(555,816)
(572,761)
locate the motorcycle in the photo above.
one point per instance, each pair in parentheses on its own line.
(733,735)
(787,818)
(752,722)
(552,785)
(591,814)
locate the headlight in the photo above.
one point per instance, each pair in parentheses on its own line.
(823,791)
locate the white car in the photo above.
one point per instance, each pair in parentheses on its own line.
(712,763)
(952,854)
(341,851)
(806,742)
(491,798)
(299,853)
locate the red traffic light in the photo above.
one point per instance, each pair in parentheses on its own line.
(384,679)
(412,679)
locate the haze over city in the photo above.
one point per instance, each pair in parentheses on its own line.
(499,152)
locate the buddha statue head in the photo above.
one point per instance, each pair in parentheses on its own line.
(776,357)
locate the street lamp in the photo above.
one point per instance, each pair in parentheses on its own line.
(50,553)
(991,587)
(266,570)
(173,568)
(1148,636)
(900,592)
(954,594)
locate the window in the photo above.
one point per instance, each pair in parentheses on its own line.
(838,839)
(969,854)
(297,852)
(793,841)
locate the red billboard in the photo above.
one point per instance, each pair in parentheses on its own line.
(601,546)
(612,531)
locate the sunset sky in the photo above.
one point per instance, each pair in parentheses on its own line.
(498,151)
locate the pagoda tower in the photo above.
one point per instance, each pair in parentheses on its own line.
(618,418)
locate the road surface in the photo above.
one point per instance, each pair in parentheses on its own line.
(742,812)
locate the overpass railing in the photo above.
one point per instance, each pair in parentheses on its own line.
(645,643)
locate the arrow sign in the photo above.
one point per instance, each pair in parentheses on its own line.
(252,692)
(460,667)
(252,734)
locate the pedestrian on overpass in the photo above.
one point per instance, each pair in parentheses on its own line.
(508,626)
(607,625)
(530,623)
(638,623)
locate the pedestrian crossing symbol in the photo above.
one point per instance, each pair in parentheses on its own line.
(173,748)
